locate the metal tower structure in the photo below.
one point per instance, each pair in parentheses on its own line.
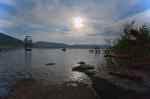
(28,43)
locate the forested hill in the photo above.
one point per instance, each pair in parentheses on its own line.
(6,40)
(42,44)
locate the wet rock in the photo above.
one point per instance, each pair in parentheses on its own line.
(104,88)
(50,64)
(109,90)
(72,84)
(83,67)
(109,87)
(89,72)
(81,62)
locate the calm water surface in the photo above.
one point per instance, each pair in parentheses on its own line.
(17,64)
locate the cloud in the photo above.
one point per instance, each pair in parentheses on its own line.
(9,2)
(51,20)
(6,23)
(115,27)
(140,18)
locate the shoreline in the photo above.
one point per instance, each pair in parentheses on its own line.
(116,87)
(32,89)
(113,87)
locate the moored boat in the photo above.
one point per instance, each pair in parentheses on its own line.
(64,49)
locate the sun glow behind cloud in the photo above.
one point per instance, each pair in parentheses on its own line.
(78,22)
(70,21)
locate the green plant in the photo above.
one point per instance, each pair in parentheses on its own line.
(137,49)
(122,45)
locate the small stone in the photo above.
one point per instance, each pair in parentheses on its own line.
(83,67)
(81,62)
(50,64)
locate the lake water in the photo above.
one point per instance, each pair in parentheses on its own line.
(17,64)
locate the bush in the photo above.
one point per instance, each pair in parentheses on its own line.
(122,45)
(140,48)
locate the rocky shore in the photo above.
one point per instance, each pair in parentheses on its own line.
(32,89)
(104,86)
(112,87)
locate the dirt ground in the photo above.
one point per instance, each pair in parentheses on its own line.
(32,89)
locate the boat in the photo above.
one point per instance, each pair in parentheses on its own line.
(64,49)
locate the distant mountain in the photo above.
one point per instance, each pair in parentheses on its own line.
(42,44)
(89,46)
(9,41)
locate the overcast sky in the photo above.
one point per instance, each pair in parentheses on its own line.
(52,20)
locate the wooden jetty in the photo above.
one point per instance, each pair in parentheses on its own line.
(98,51)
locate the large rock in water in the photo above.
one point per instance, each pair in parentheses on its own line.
(50,64)
(83,67)
(81,62)
(108,90)
(109,87)
(32,89)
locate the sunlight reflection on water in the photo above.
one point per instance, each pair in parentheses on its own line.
(17,64)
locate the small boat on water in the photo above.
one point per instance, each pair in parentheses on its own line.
(64,49)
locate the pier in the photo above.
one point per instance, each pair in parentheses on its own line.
(98,51)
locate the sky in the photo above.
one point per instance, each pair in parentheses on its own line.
(54,20)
